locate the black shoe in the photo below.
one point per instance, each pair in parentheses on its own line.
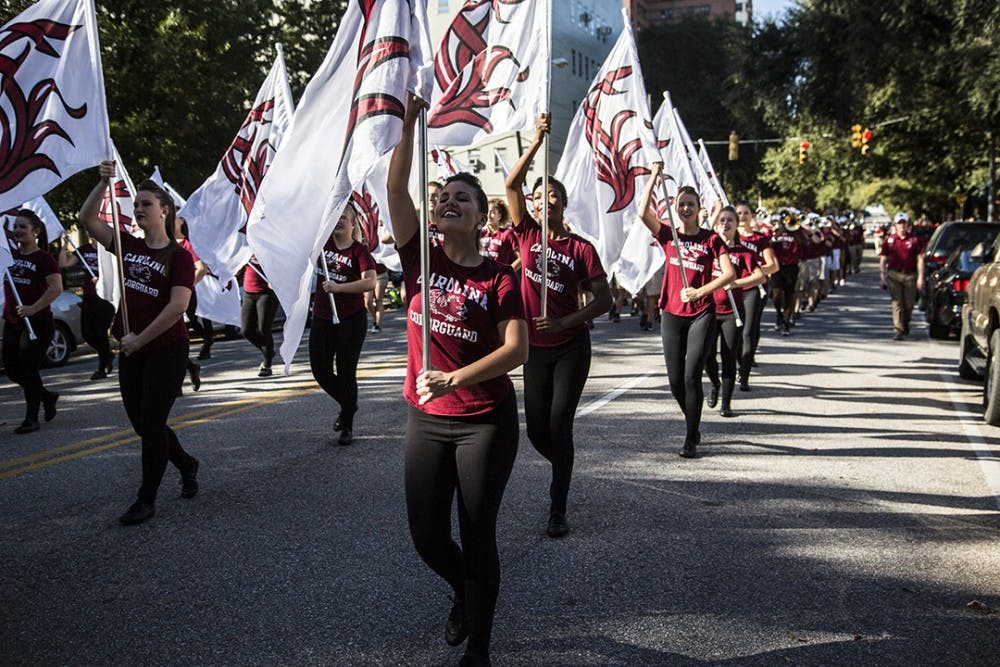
(456,628)
(206,353)
(189,480)
(643,321)
(617,318)
(137,513)
(726,411)
(376,328)
(49,405)
(27,426)
(557,525)
(195,371)
(898,336)
(474,660)
(713,396)
(99,374)
(689,450)
(612,314)
(264,371)
(785,331)
(346,437)
(744,385)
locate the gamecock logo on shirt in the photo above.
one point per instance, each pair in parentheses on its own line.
(447,306)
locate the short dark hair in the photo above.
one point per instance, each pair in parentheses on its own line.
(37,225)
(560,188)
(482,201)
(167,202)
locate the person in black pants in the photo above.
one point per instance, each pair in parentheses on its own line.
(96,314)
(159,279)
(260,304)
(462,430)
(754,298)
(36,276)
(688,319)
(559,354)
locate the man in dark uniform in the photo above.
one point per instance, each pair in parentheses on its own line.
(902,272)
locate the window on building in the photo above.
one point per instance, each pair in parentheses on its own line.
(443,7)
(474,162)
(574,62)
(739,6)
(705,10)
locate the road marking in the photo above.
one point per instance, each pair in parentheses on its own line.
(38,460)
(988,461)
(601,401)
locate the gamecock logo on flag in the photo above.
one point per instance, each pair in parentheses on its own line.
(368,217)
(244,165)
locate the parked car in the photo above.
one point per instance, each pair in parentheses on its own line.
(979,340)
(947,237)
(948,286)
(67,336)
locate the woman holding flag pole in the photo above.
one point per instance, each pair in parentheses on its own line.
(96,314)
(688,319)
(346,271)
(31,284)
(157,277)
(462,425)
(559,357)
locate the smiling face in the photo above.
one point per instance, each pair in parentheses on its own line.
(24,231)
(745,216)
(457,209)
(687,208)
(555,203)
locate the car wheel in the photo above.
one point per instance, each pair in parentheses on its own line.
(58,352)
(991,389)
(966,371)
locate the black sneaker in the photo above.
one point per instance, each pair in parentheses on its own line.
(474,660)
(264,371)
(726,411)
(713,396)
(456,628)
(137,513)
(206,353)
(189,480)
(689,450)
(557,525)
(99,374)
(346,437)
(49,405)
(744,385)
(195,370)
(27,426)
(785,331)
(898,336)
(376,328)
(338,424)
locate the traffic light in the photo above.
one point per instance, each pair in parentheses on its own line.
(734,146)
(803,152)
(866,138)
(855,136)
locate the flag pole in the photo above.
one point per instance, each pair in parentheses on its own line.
(732,303)
(113,201)
(545,225)
(17,298)
(425,255)
(333,302)
(82,260)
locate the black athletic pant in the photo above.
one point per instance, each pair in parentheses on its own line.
(257,321)
(96,315)
(753,305)
(338,344)
(201,326)
(685,343)
(22,359)
(149,381)
(473,455)
(553,382)
(730,339)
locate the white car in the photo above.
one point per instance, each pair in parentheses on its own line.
(67,336)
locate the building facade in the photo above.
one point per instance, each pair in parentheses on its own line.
(649,13)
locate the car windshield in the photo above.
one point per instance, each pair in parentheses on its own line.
(964,236)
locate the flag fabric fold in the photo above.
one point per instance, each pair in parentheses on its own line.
(380,48)
(713,178)
(703,182)
(54,119)
(108,284)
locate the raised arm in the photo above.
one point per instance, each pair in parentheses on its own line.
(515,179)
(89,212)
(405,222)
(651,221)
(66,259)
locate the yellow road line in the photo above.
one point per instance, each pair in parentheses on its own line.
(195,418)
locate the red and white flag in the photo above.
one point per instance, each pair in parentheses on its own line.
(108,284)
(217,212)
(350,115)
(53,114)
(447,164)
(491,72)
(713,178)
(670,143)
(703,183)
(609,147)
(157,178)
(369,208)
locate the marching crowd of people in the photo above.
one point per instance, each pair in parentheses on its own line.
(488,317)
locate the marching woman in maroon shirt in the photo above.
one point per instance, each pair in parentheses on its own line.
(159,280)
(260,305)
(352,273)
(754,298)
(462,430)
(96,314)
(559,356)
(38,280)
(688,319)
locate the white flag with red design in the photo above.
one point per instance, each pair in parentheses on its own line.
(108,285)
(41,208)
(703,183)
(491,71)
(670,142)
(217,212)
(713,178)
(349,117)
(54,116)
(447,164)
(609,147)
(157,177)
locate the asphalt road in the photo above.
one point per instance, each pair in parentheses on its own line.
(847,516)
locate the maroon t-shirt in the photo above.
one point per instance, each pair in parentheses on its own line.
(435,234)
(88,252)
(786,247)
(149,277)
(812,248)
(758,243)
(30,273)
(700,252)
(572,264)
(346,266)
(186,244)
(498,245)
(744,262)
(467,305)
(902,253)
(252,281)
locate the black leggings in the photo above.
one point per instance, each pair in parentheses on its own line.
(338,344)
(201,326)
(753,305)
(149,381)
(96,315)
(685,343)
(553,382)
(730,339)
(475,456)
(22,359)
(257,321)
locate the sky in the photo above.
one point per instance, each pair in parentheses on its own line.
(764,7)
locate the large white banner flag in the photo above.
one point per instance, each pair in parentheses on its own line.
(491,72)
(610,145)
(702,180)
(369,206)
(41,208)
(157,178)
(348,118)
(217,212)
(53,115)
(676,165)
(713,178)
